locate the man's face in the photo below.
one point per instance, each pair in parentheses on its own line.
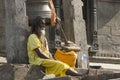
(43,24)
(42,29)
(42,32)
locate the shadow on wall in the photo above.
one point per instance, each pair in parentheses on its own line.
(107,11)
(18,49)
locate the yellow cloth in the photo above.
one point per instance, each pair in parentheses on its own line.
(66,57)
(52,66)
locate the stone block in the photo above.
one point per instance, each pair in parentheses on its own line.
(21,72)
(105,44)
(103,71)
(35,73)
(104,39)
(115,24)
(60,78)
(116,39)
(3,59)
(104,30)
(117,49)
(6,72)
(115,79)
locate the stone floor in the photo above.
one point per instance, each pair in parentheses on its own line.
(106,65)
(3,60)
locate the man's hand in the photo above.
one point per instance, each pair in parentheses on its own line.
(40,53)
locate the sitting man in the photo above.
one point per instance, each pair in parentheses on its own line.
(39,54)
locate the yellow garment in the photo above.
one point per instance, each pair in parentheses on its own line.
(55,67)
(66,57)
(52,66)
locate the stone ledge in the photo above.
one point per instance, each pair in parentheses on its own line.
(32,72)
(25,72)
(21,72)
(115,79)
(59,78)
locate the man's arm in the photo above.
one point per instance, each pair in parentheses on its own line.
(53,14)
(40,53)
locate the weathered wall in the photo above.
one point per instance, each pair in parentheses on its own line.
(16,31)
(74,26)
(2,27)
(109,28)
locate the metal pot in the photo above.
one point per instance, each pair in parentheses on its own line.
(38,8)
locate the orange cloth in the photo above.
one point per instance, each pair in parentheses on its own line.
(53,14)
(66,57)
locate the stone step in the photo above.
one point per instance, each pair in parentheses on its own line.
(62,78)
(26,72)
(115,79)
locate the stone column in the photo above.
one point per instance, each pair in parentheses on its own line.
(74,26)
(2,28)
(16,29)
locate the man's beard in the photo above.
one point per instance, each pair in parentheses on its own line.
(42,39)
(42,32)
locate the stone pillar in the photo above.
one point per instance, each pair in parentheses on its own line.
(74,26)
(16,31)
(2,28)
